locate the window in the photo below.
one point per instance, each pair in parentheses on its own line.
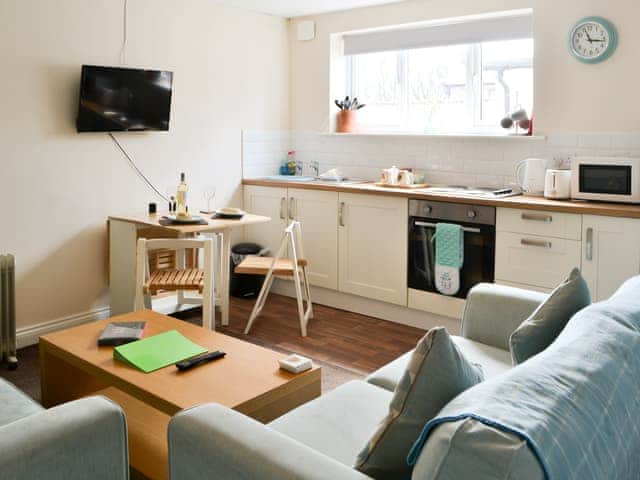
(430,87)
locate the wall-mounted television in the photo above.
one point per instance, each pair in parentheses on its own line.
(116,99)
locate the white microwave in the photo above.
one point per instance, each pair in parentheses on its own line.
(606,179)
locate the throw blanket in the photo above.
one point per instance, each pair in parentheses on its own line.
(577,403)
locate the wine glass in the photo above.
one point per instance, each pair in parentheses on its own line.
(209,194)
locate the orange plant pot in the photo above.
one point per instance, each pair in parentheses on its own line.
(346,121)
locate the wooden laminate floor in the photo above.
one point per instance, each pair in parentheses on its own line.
(348,340)
(347,345)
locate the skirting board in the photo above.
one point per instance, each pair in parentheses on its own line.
(29,335)
(371,308)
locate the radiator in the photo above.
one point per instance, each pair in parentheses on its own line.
(8,311)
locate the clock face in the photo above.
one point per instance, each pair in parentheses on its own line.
(592,40)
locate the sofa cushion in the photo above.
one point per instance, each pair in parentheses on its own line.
(437,372)
(547,321)
(15,404)
(339,423)
(492,312)
(453,449)
(493,361)
(388,376)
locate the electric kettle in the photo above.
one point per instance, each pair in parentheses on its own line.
(530,175)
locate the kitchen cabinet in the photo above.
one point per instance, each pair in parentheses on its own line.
(610,253)
(536,249)
(270,202)
(356,243)
(372,260)
(317,212)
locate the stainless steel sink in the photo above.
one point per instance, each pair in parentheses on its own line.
(289,178)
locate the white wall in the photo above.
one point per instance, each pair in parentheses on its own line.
(569,96)
(230,73)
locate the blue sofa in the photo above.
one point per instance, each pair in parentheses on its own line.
(321,439)
(84,439)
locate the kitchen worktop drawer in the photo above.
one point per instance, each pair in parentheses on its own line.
(537,222)
(541,261)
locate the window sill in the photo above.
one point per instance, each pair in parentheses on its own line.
(445,136)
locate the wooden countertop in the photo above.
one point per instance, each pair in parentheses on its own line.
(520,201)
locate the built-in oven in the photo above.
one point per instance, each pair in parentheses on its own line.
(478,223)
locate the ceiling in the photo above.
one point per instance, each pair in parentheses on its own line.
(299,8)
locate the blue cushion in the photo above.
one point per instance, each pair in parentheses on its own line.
(436,373)
(547,321)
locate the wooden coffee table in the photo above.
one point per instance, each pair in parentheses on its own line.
(248,380)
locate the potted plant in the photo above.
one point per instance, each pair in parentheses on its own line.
(346,121)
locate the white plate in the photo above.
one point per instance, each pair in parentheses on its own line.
(230,211)
(192,219)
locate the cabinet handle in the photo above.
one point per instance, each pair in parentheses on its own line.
(589,252)
(282,202)
(536,217)
(292,205)
(535,243)
(341,214)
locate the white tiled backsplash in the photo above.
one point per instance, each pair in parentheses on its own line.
(262,152)
(455,160)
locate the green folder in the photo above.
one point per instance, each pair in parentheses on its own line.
(158,351)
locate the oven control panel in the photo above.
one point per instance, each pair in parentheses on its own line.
(453,212)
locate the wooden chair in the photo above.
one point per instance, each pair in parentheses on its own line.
(150,281)
(295,267)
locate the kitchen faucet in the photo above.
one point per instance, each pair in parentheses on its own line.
(315,165)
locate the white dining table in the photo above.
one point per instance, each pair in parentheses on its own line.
(123,233)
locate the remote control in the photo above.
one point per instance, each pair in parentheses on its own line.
(199,360)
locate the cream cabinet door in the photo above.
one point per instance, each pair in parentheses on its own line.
(271,202)
(372,259)
(610,253)
(317,212)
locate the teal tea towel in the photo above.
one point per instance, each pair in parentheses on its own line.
(449,240)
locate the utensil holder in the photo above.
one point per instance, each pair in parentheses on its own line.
(346,121)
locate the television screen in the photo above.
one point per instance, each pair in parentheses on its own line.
(123,99)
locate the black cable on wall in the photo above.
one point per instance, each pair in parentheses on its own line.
(136,169)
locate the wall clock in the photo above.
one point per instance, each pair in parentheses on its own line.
(593,40)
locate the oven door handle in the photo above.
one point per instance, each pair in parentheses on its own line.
(417,223)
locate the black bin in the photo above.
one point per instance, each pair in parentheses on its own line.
(242,285)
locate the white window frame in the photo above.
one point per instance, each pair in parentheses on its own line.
(456,31)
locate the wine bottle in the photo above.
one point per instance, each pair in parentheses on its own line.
(182,197)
